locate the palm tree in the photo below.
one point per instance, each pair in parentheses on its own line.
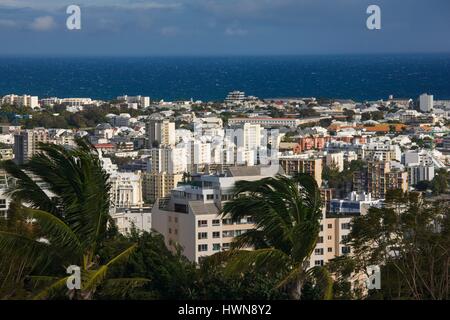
(287,213)
(60,217)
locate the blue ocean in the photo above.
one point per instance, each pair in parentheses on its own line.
(360,78)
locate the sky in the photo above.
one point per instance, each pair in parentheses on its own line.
(223,27)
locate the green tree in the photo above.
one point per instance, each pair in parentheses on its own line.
(410,240)
(439,184)
(51,233)
(287,213)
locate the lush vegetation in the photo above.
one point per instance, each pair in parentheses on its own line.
(410,239)
(70,225)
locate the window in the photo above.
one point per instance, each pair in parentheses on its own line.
(216,247)
(345,226)
(180,208)
(345,250)
(202,223)
(216,222)
(202,235)
(321,227)
(170,231)
(250,220)
(210,197)
(344,237)
(227,221)
(318,252)
(330,226)
(330,237)
(226,246)
(320,240)
(318,263)
(216,234)
(228,234)
(330,249)
(176,220)
(202,247)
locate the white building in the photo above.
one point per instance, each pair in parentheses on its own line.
(21,101)
(138,218)
(160,132)
(426,102)
(141,101)
(336,160)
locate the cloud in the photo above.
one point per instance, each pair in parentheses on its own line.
(45,23)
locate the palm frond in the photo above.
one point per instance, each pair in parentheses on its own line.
(55,288)
(96,277)
(323,281)
(57,232)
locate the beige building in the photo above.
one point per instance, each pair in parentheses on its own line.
(303,164)
(159,184)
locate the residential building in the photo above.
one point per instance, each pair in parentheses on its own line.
(303,164)
(426,102)
(26,143)
(191,217)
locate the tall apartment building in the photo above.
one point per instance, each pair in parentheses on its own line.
(190,217)
(160,132)
(158,185)
(377,177)
(26,143)
(165,171)
(303,164)
(426,102)
(21,101)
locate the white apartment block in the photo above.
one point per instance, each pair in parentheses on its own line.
(426,102)
(21,101)
(169,160)
(160,132)
(419,172)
